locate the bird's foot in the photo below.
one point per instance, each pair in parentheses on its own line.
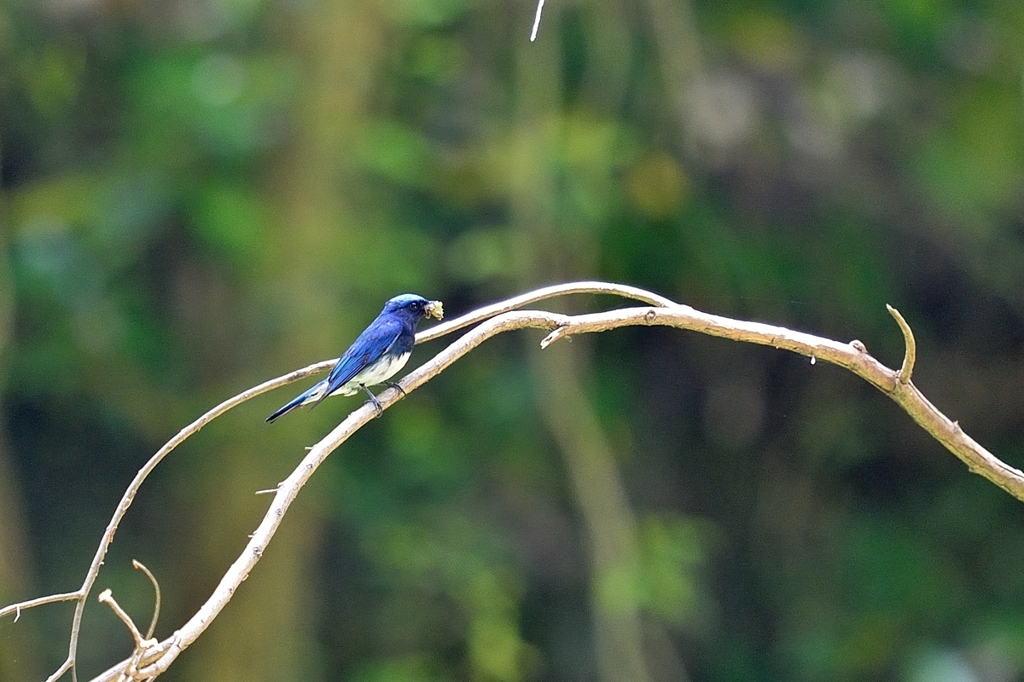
(373,401)
(392,384)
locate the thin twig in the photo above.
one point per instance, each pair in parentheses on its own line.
(139,566)
(16,609)
(107,597)
(536,21)
(910,355)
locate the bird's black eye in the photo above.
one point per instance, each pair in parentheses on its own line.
(416,305)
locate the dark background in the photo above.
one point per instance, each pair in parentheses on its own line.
(198,195)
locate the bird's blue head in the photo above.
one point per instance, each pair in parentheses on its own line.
(414,306)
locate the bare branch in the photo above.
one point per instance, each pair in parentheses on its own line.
(544,293)
(16,609)
(155,658)
(852,356)
(82,594)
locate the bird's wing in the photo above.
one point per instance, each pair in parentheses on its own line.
(367,349)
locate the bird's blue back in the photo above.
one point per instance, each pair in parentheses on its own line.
(389,334)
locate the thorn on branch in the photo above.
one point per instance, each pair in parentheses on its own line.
(910,356)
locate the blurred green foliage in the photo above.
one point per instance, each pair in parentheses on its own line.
(200,194)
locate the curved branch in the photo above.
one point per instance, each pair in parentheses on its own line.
(498,318)
(537,295)
(81,595)
(852,356)
(473,317)
(157,659)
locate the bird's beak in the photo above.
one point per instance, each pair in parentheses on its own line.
(434,309)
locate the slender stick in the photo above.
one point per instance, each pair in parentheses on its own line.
(536,21)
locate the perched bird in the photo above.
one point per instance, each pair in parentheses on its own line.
(375,356)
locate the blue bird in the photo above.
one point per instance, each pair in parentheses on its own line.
(375,356)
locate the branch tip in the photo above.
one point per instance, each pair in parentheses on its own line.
(910,355)
(536,21)
(138,565)
(107,597)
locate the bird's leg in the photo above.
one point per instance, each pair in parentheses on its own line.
(373,399)
(392,384)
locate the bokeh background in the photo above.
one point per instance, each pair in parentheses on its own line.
(198,195)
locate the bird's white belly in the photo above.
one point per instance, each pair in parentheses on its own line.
(374,374)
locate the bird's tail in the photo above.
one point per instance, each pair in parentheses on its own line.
(289,406)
